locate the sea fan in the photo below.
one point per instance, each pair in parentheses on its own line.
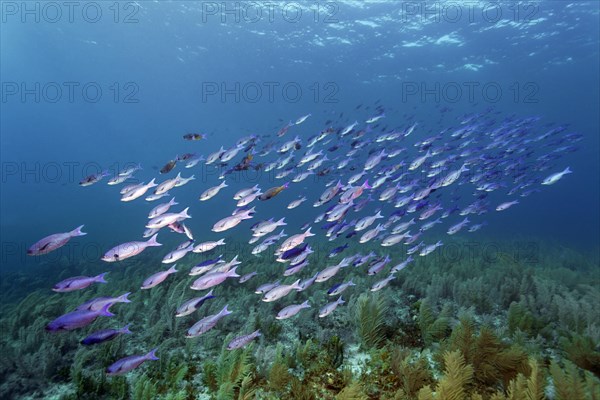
(370,319)
(457,375)
(432,328)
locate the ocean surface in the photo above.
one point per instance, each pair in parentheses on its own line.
(102,86)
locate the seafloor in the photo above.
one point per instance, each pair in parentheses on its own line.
(501,321)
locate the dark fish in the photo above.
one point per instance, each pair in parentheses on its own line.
(329,224)
(296,251)
(323,172)
(186,156)
(209,262)
(168,167)
(284,130)
(194,136)
(274,191)
(338,250)
(104,335)
(91,179)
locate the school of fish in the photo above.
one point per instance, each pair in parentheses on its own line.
(406,182)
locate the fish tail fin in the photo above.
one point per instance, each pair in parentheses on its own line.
(308,233)
(223,184)
(232,273)
(285,185)
(305,304)
(105,311)
(257,333)
(344,263)
(185,214)
(172,270)
(77,232)
(125,329)
(152,183)
(341,300)
(221,241)
(123,298)
(296,285)
(173,202)
(100,278)
(225,311)
(366,185)
(567,171)
(152,241)
(152,355)
(281,222)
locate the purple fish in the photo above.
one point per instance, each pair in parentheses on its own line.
(127,364)
(292,310)
(77,283)
(53,242)
(338,250)
(206,323)
(192,305)
(77,319)
(308,282)
(129,249)
(329,308)
(213,279)
(99,302)
(247,277)
(265,287)
(295,268)
(104,335)
(296,251)
(209,263)
(242,341)
(339,288)
(378,266)
(158,278)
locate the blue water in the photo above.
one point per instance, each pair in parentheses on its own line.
(154,72)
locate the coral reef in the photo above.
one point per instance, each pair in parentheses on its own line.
(468,328)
